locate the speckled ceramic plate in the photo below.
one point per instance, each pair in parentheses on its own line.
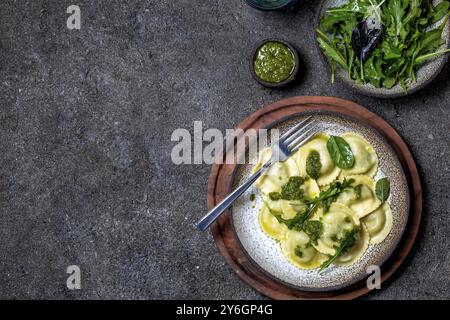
(425,74)
(266,253)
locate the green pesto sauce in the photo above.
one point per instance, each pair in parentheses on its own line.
(313,164)
(298,251)
(314,229)
(274,62)
(291,190)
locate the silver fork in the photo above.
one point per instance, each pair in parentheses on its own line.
(288,143)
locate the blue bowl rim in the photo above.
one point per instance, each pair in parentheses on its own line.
(252,4)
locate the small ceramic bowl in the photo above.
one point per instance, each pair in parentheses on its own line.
(269,5)
(285,82)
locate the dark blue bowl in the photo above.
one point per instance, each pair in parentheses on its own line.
(270,4)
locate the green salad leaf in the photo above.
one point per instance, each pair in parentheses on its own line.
(382,189)
(411,34)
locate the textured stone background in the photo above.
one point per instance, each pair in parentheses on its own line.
(86,118)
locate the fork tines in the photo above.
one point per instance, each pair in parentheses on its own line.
(295,137)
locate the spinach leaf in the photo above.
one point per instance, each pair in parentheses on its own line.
(340,152)
(382,189)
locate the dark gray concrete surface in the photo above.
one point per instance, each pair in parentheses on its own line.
(86,119)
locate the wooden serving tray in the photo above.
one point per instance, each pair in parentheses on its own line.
(221,179)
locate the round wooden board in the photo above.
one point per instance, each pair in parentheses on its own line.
(221,180)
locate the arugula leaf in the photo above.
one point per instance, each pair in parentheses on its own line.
(390,51)
(438,12)
(429,56)
(340,152)
(332,53)
(327,197)
(371,73)
(382,189)
(346,243)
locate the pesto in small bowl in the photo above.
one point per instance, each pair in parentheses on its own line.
(274,63)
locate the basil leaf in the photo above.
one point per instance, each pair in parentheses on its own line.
(382,189)
(340,152)
(313,164)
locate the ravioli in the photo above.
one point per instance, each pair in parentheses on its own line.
(270,225)
(277,175)
(366,159)
(328,171)
(311,188)
(336,222)
(289,208)
(355,207)
(286,208)
(297,249)
(354,253)
(366,202)
(379,223)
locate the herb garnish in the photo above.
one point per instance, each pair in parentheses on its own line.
(301,222)
(340,152)
(298,251)
(382,189)
(313,164)
(252,197)
(358,190)
(405,43)
(346,243)
(324,199)
(327,197)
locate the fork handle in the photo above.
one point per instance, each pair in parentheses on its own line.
(215,213)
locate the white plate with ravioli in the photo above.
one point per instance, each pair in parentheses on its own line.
(320,220)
